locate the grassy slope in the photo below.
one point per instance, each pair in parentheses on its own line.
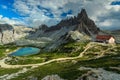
(8,71)
(4,48)
(63,69)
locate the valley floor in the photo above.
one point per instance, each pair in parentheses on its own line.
(83,65)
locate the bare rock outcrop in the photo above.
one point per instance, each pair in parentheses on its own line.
(52,77)
(10,33)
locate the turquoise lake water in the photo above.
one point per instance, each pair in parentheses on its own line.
(25,51)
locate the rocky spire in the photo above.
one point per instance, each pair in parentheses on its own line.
(81,23)
(88,26)
(82,15)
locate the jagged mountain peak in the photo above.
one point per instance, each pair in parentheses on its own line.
(82,14)
(81,22)
(85,24)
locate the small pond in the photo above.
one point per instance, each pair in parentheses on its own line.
(25,51)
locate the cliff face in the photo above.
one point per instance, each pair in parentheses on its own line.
(6,33)
(9,33)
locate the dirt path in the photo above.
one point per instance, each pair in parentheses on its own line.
(3,65)
(86,48)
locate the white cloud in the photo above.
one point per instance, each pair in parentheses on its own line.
(5,20)
(104,14)
(110,24)
(106,23)
(35,10)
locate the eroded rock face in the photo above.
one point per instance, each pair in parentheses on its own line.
(21,32)
(9,33)
(6,33)
(77,36)
(52,77)
(98,74)
(8,36)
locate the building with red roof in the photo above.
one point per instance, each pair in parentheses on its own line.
(105,39)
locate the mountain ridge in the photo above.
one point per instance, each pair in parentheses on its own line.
(74,28)
(81,21)
(77,28)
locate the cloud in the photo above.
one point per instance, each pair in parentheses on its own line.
(50,12)
(105,15)
(13,21)
(37,12)
(110,24)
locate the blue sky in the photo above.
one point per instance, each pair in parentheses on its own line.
(6,9)
(36,12)
(115,3)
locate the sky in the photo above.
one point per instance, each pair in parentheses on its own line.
(105,13)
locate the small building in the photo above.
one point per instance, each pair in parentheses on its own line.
(105,39)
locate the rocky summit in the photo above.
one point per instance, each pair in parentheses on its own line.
(85,24)
(81,22)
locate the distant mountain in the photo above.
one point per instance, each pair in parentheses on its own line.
(117,30)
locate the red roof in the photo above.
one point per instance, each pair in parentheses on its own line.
(103,37)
